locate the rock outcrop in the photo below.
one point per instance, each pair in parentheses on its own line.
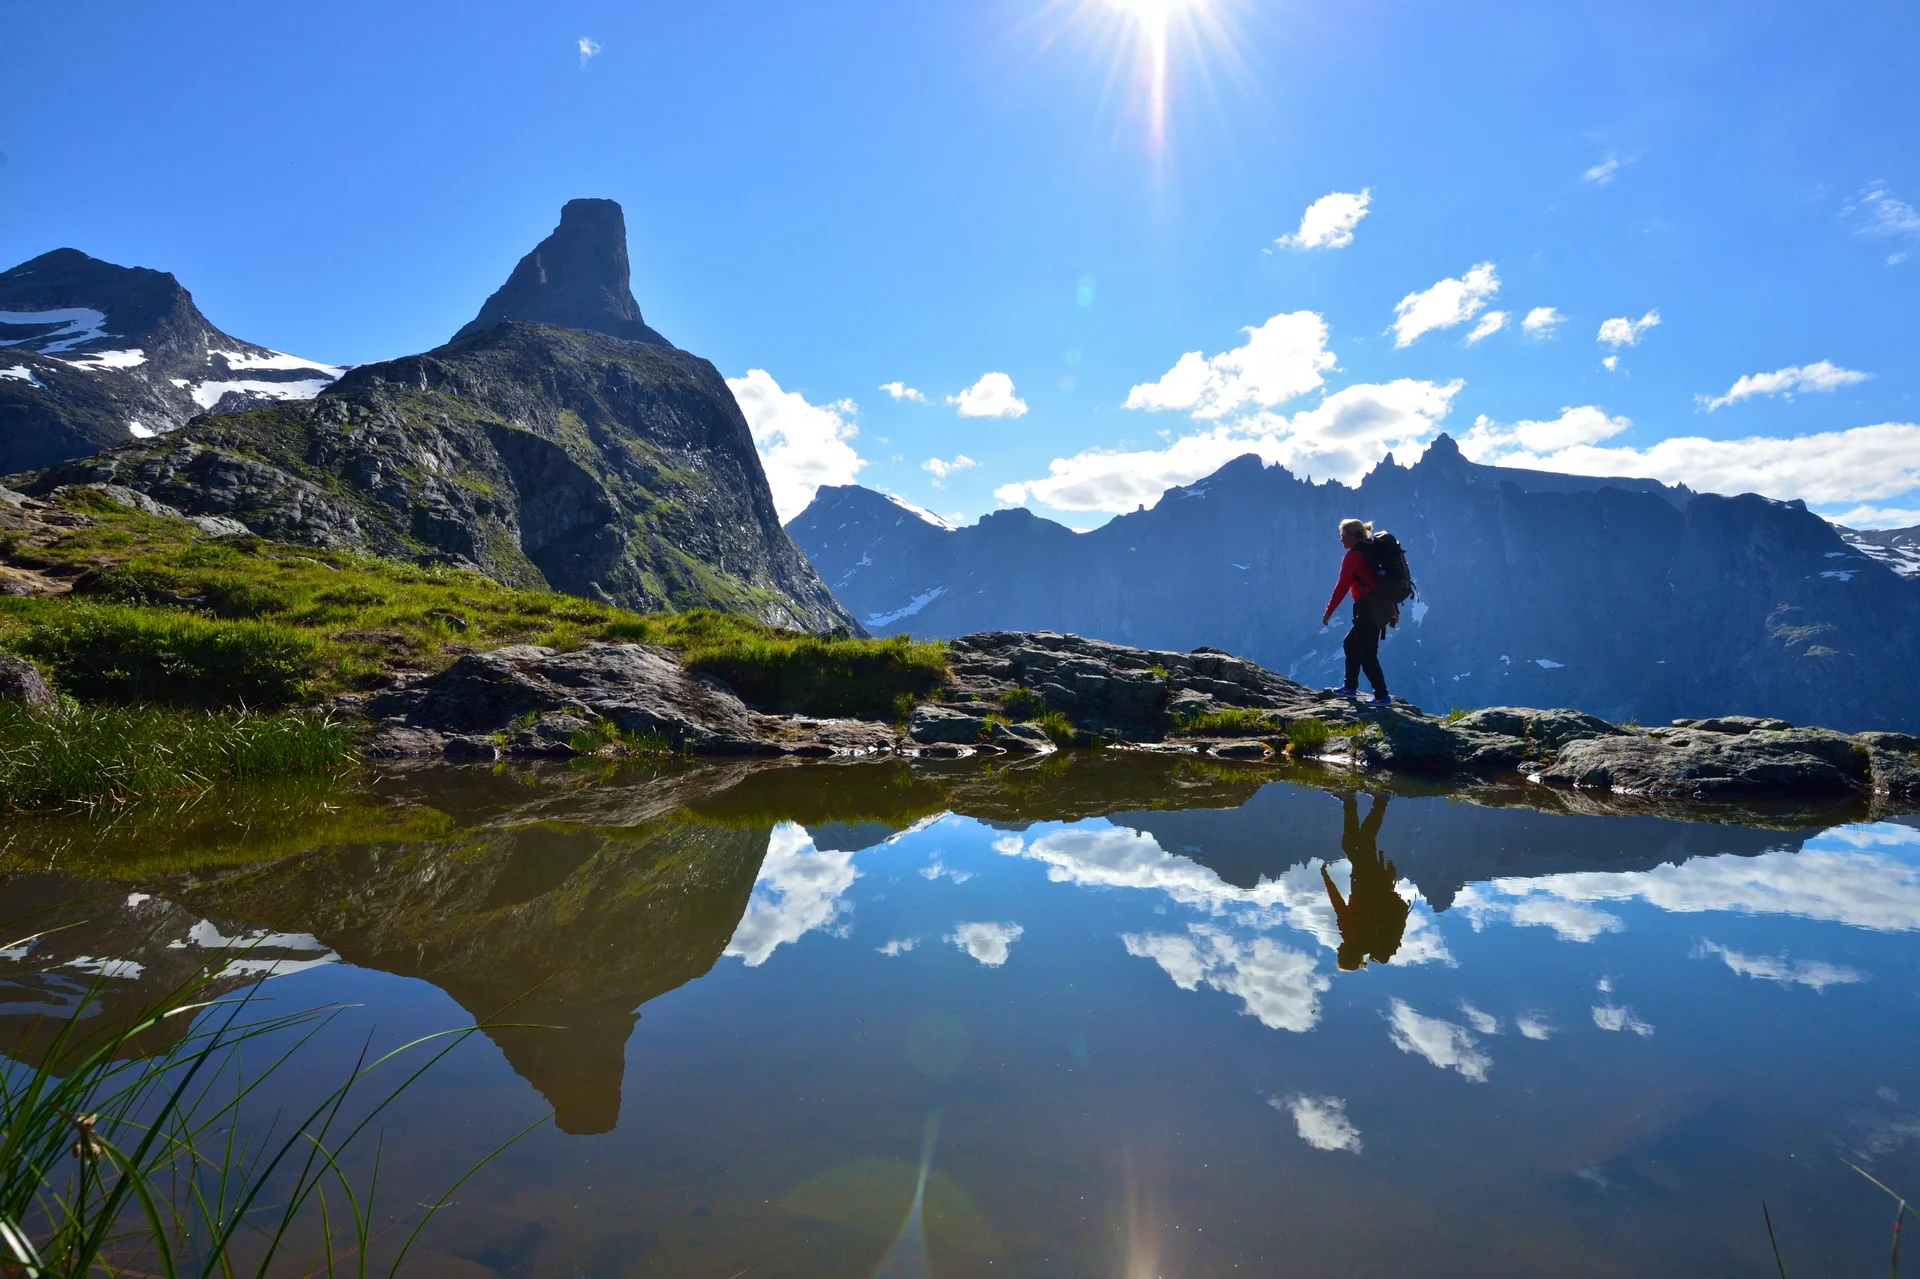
(530,700)
(534,701)
(1541,589)
(93,355)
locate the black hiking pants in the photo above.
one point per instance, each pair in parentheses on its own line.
(1362,644)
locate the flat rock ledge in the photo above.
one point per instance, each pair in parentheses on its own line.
(527,700)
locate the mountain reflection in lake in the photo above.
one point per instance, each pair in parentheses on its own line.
(1167,1018)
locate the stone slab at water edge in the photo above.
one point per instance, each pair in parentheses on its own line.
(1009,690)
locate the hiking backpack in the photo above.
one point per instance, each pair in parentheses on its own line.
(1389,564)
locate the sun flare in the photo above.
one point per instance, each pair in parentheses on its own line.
(1149,29)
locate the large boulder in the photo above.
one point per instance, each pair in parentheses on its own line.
(639,689)
(1704,764)
(930,725)
(21,681)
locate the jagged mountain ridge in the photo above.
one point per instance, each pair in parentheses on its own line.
(578,458)
(93,354)
(1624,598)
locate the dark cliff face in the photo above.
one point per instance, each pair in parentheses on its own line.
(577,278)
(1626,599)
(542,456)
(93,354)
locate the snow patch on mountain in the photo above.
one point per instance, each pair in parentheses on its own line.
(77,325)
(95,361)
(207,394)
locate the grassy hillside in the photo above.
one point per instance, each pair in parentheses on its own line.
(145,611)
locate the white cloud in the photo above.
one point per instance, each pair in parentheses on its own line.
(940,470)
(1343,437)
(1584,425)
(1611,363)
(1010,494)
(1490,323)
(1446,304)
(1879,213)
(1280,359)
(1533,1026)
(1329,221)
(801,445)
(1814,973)
(986,941)
(937,868)
(1321,1121)
(1276,984)
(588,48)
(1877,517)
(901,391)
(1446,1045)
(1616,1017)
(797,890)
(1485,1023)
(898,946)
(1864,464)
(991,396)
(1602,173)
(1823,375)
(1109,856)
(1620,331)
(1541,321)
(1863,876)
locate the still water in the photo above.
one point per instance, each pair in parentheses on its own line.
(1101,1016)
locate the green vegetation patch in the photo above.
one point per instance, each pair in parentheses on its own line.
(112,653)
(162,614)
(94,755)
(1232,722)
(792,672)
(1308,734)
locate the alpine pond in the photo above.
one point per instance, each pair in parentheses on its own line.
(1094,1013)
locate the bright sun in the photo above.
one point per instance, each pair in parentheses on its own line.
(1152,21)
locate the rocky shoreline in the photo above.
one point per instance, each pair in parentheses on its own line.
(1029,693)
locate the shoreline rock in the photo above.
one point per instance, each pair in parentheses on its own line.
(529,701)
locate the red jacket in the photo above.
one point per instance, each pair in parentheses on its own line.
(1355,576)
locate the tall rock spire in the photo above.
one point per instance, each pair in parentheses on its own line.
(577,278)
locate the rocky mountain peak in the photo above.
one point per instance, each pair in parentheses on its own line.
(577,278)
(93,353)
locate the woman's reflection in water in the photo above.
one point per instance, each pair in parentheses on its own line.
(1373,918)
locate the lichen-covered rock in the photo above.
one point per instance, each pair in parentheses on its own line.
(21,681)
(1122,693)
(929,724)
(1021,738)
(1735,724)
(1545,730)
(640,689)
(1705,764)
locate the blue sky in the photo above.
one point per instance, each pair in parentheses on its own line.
(841,196)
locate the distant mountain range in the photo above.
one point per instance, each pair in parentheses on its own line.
(557,441)
(93,355)
(1623,597)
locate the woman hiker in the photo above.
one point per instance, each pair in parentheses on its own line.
(1370,620)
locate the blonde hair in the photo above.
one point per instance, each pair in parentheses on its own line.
(1360,528)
